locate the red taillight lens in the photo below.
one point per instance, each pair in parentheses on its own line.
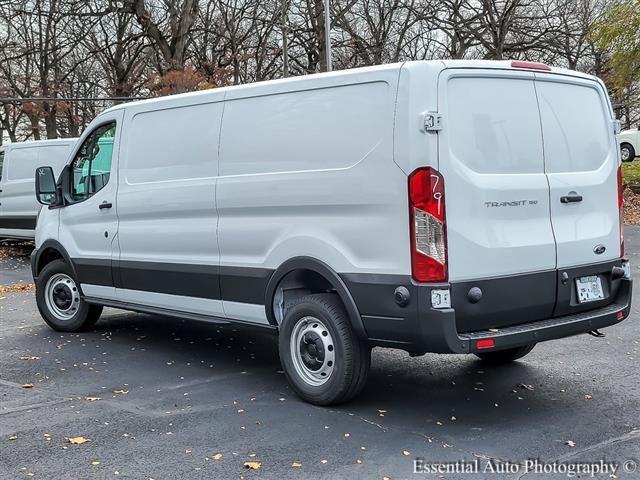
(620,210)
(428,229)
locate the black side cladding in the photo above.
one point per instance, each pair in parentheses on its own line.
(18,222)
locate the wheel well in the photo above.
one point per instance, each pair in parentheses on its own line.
(46,257)
(296,284)
(627,144)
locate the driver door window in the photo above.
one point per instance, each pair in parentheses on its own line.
(91,166)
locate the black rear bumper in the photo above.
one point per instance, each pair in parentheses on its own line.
(419,328)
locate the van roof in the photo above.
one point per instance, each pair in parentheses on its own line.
(39,143)
(438,64)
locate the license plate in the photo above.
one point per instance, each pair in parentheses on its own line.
(589,289)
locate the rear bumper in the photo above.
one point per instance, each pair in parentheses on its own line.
(419,328)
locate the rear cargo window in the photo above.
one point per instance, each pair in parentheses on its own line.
(494,125)
(575,126)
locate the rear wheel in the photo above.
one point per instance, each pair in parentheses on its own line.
(505,356)
(627,152)
(322,358)
(59,302)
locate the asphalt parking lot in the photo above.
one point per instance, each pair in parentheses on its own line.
(161,398)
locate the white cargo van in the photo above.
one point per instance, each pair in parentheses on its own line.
(454,207)
(18,162)
(629,144)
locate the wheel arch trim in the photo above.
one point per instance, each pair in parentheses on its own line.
(321,268)
(36,267)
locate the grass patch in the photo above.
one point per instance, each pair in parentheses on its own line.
(631,173)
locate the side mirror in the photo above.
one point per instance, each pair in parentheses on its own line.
(46,191)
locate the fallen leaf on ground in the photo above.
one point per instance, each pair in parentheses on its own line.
(217,456)
(253,465)
(120,391)
(27,385)
(18,287)
(92,399)
(78,440)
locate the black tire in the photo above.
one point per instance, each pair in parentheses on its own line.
(84,315)
(352,356)
(630,149)
(505,356)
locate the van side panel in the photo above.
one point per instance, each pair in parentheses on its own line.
(311,173)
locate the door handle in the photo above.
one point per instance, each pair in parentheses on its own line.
(104,205)
(571,198)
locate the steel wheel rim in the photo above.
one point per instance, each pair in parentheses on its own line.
(312,351)
(62,296)
(625,154)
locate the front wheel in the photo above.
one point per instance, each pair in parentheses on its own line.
(322,357)
(505,356)
(59,301)
(627,152)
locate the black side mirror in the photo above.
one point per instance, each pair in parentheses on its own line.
(46,191)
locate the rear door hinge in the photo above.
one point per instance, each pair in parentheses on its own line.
(432,122)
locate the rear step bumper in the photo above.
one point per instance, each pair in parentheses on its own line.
(442,336)
(552,328)
(418,328)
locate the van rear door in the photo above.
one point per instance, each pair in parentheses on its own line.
(581,162)
(499,233)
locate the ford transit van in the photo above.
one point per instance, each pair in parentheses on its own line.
(443,206)
(629,144)
(18,162)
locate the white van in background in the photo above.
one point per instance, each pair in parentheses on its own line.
(442,206)
(18,162)
(629,144)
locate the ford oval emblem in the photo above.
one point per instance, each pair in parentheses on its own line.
(599,249)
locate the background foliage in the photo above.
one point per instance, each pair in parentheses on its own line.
(87,49)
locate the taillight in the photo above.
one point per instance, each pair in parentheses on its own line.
(620,211)
(428,228)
